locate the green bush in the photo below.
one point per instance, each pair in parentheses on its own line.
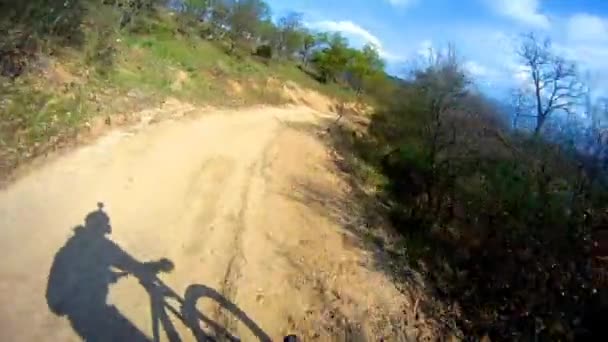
(264,51)
(101,50)
(501,225)
(33,116)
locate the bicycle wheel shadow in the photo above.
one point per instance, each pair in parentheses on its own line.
(79,282)
(193,317)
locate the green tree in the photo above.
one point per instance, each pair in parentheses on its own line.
(197,9)
(363,65)
(267,32)
(291,34)
(43,19)
(267,39)
(332,60)
(322,38)
(308,43)
(193,12)
(245,18)
(220,17)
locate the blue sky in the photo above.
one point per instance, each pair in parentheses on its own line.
(484,31)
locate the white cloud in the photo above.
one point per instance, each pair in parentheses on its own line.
(348,28)
(592,60)
(390,57)
(356,34)
(425,48)
(586,43)
(521,73)
(477,70)
(524,11)
(402,3)
(587,28)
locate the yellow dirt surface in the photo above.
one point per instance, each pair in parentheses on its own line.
(234,199)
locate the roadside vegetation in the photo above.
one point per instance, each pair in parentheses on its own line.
(64,64)
(501,208)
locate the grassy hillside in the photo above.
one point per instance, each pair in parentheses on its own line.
(52,87)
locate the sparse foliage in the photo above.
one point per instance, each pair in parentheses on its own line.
(502,222)
(554,81)
(308,43)
(332,59)
(244,18)
(291,34)
(363,65)
(196,8)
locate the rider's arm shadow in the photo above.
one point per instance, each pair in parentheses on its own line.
(192,315)
(124,261)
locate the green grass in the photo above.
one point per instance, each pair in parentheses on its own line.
(152,62)
(32,118)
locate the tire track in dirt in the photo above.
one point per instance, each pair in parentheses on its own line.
(256,172)
(202,199)
(230,281)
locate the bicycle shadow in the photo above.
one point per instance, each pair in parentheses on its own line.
(192,316)
(79,282)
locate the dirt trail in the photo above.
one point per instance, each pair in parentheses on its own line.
(221,196)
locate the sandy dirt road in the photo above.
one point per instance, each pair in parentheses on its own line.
(225,196)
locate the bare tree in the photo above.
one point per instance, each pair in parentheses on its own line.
(291,34)
(522,106)
(555,84)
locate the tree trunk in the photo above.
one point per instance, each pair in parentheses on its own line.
(540,121)
(537,130)
(540,115)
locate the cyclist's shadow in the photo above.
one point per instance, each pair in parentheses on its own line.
(81,275)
